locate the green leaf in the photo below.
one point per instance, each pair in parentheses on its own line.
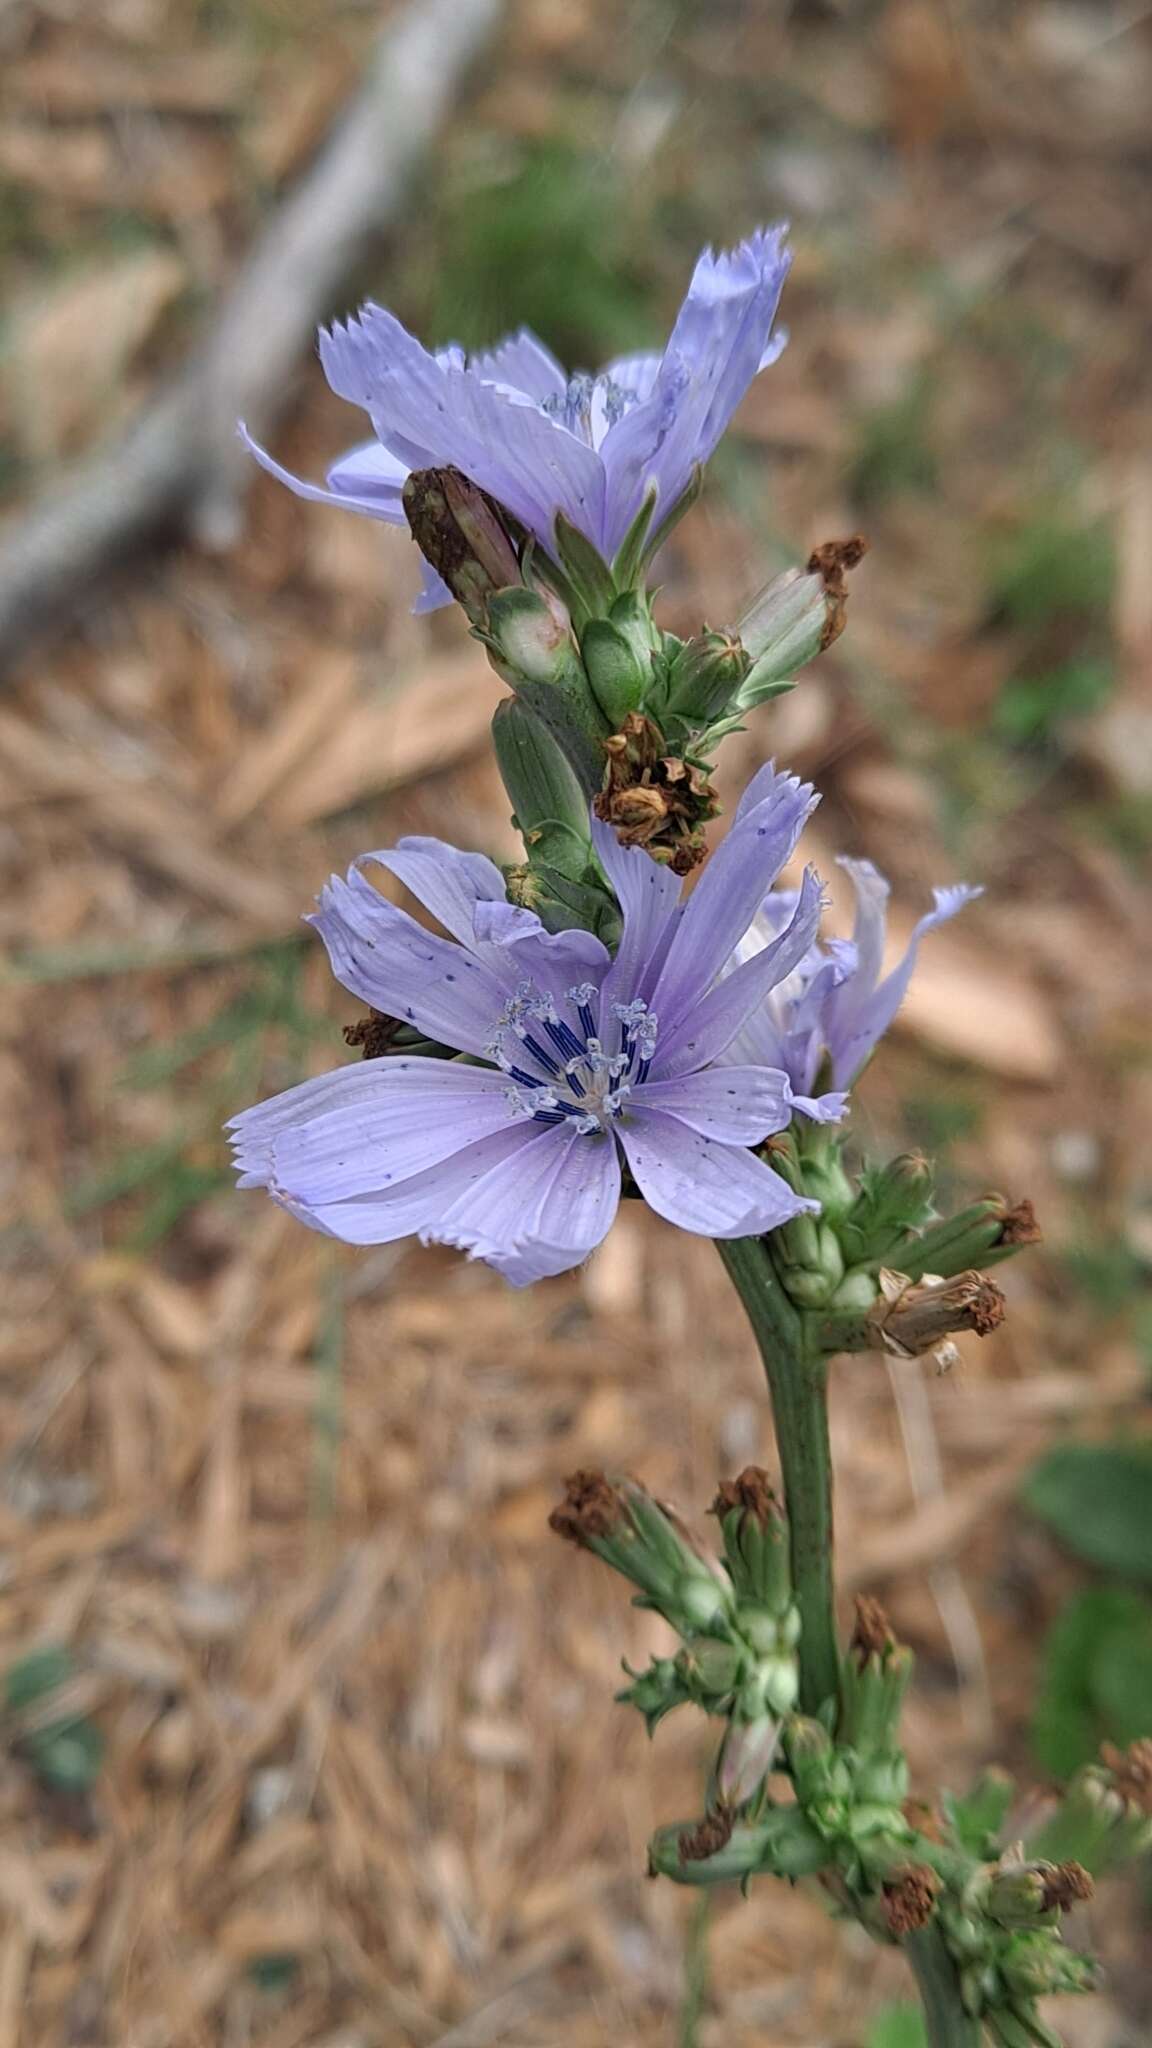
(1098,1499)
(68,1755)
(898,2026)
(32,1677)
(1096,1682)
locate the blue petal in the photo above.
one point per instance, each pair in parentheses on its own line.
(539,1211)
(728,895)
(713,1189)
(433,414)
(738,1105)
(393,963)
(719,343)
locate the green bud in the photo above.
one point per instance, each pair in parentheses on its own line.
(811,1759)
(1019,1894)
(893,1201)
(780,1678)
(619,675)
(747,1754)
(874,1677)
(550,808)
(710,1668)
(857,1293)
(883,1780)
(1038,1965)
(704,676)
(587,577)
(656,1691)
(530,644)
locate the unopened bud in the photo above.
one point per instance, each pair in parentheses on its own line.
(705,675)
(529,639)
(459,529)
(617,674)
(711,1669)
(746,1756)
(549,806)
(655,1692)
(893,1201)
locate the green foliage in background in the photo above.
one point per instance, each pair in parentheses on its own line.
(542,243)
(1096,1674)
(1098,1500)
(1096,1679)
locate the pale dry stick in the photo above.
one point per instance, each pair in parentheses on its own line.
(926,1473)
(180,468)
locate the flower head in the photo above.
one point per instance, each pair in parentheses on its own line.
(576,1060)
(541,442)
(836,1004)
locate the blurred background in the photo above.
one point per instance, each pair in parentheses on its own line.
(306,1729)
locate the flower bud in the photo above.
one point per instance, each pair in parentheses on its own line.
(796,617)
(654,1692)
(1021,1894)
(893,1201)
(530,644)
(710,1669)
(619,675)
(550,809)
(746,1757)
(704,676)
(459,529)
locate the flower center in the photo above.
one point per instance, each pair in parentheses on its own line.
(588,406)
(558,1063)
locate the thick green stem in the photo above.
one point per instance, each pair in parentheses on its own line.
(798,1382)
(947,2023)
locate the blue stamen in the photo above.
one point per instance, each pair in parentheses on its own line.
(587,1024)
(538,1053)
(564,1038)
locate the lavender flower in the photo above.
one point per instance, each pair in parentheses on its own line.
(835,1005)
(541,442)
(574,1057)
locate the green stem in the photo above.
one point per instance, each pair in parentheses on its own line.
(798,1382)
(947,2023)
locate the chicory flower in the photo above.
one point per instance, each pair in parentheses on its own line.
(830,1012)
(576,1061)
(539,441)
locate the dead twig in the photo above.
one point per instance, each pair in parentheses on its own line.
(179,469)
